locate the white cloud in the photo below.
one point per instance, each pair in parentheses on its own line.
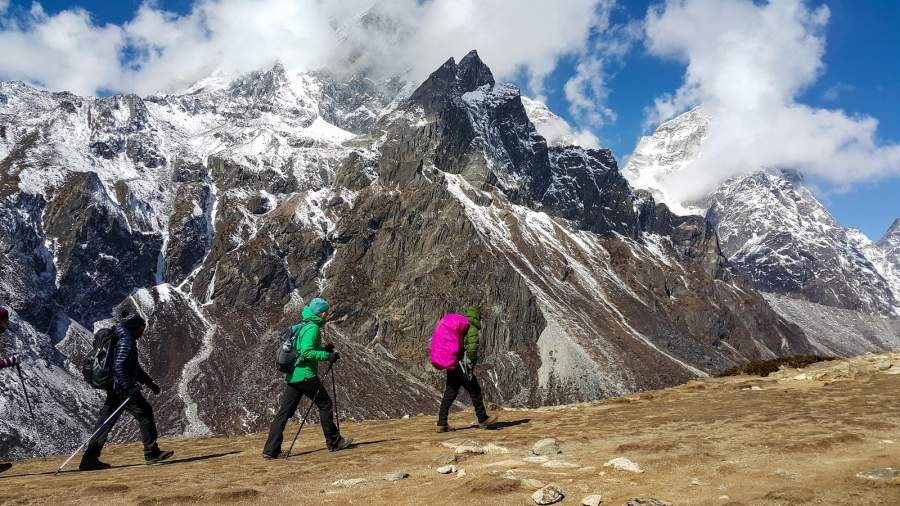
(746,64)
(4,4)
(69,51)
(835,91)
(587,90)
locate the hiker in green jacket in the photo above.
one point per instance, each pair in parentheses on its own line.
(464,376)
(304,381)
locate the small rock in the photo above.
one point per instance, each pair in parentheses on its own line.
(397,476)
(724,498)
(446,459)
(532,483)
(801,377)
(884,366)
(473,448)
(624,464)
(548,494)
(547,446)
(347,483)
(645,501)
(592,500)
(886,475)
(406,417)
(559,464)
(492,449)
(447,469)
(461,473)
(755,387)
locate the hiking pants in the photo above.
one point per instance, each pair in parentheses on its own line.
(311,388)
(455,379)
(139,408)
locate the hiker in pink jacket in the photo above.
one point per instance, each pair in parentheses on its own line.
(457,335)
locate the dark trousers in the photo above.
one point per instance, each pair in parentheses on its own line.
(456,379)
(290,399)
(139,408)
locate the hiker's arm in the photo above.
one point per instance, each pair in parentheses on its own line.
(8,362)
(124,346)
(142,377)
(307,347)
(471,343)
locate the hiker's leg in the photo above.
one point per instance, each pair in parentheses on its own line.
(314,387)
(290,398)
(455,379)
(142,411)
(95,446)
(474,390)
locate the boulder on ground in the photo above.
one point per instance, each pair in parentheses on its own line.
(548,494)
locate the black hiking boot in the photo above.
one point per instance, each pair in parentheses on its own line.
(270,457)
(442,428)
(4,466)
(93,465)
(488,422)
(158,456)
(342,444)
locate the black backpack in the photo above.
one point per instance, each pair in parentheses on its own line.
(286,357)
(97,367)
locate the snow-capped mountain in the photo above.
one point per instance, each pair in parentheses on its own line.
(771,227)
(890,244)
(672,147)
(218,211)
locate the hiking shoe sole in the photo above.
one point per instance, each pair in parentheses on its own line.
(266,456)
(159,458)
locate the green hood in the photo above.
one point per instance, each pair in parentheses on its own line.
(309,316)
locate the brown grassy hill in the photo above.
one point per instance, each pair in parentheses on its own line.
(794,437)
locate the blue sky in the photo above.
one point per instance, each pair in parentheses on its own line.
(861,76)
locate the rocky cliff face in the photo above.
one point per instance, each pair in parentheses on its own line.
(217,212)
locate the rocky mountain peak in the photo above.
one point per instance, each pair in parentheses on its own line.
(890,244)
(472,73)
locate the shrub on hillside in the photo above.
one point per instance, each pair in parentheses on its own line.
(766,367)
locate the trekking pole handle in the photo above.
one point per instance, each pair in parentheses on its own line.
(102,425)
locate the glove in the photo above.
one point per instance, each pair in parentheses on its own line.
(153,387)
(335,356)
(329,347)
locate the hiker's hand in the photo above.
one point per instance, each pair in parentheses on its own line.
(329,347)
(335,356)
(153,387)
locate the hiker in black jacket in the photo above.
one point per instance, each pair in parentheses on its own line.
(4,324)
(128,378)
(5,362)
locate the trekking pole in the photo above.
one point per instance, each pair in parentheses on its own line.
(337,411)
(102,425)
(28,402)
(303,421)
(25,391)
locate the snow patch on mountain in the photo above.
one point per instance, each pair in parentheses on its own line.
(555,129)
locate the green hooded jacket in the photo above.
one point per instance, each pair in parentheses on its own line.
(309,347)
(470,341)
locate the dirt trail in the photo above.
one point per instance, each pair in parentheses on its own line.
(797,437)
